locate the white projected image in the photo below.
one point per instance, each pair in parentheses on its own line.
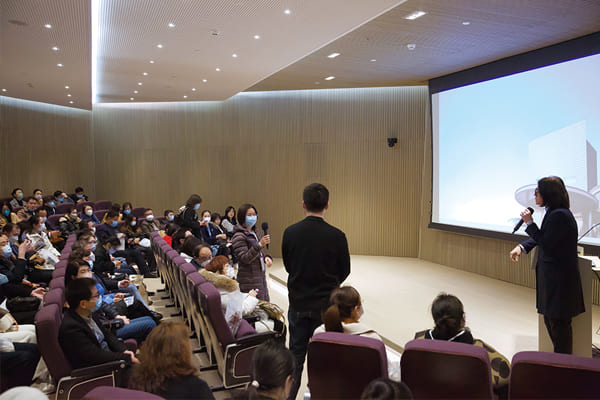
(493,140)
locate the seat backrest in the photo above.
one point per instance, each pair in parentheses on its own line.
(55,296)
(52,221)
(211,307)
(341,365)
(111,393)
(81,206)
(58,282)
(536,374)
(63,208)
(138,212)
(100,214)
(441,369)
(103,204)
(47,324)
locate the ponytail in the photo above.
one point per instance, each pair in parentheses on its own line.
(331,319)
(447,312)
(343,301)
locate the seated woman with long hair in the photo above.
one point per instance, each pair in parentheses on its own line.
(166,368)
(343,315)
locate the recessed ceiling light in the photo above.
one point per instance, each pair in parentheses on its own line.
(69,95)
(329,78)
(47,26)
(373,59)
(217,69)
(135,91)
(145,73)
(185,97)
(287,11)
(411,46)
(139,83)
(67,87)
(234,55)
(59,65)
(204,80)
(71,102)
(171,25)
(466,23)
(193,89)
(256,36)
(4,90)
(131,98)
(333,55)
(160,46)
(415,15)
(55,48)
(151,61)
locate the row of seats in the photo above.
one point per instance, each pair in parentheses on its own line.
(200,304)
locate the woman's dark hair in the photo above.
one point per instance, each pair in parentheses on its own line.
(127,220)
(113,240)
(226,216)
(15,190)
(553,192)
(386,389)
(115,207)
(176,237)
(342,302)
(189,244)
(127,204)
(242,211)
(79,252)
(193,200)
(73,269)
(8,228)
(204,211)
(70,209)
(35,220)
(447,312)
(171,229)
(36,190)
(7,204)
(214,217)
(272,364)
(77,290)
(316,197)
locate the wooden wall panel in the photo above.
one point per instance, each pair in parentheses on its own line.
(265,147)
(44,146)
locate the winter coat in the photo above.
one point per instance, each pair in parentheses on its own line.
(250,257)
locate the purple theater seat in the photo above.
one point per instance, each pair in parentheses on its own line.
(113,393)
(340,365)
(63,208)
(138,212)
(103,204)
(52,221)
(81,206)
(57,283)
(58,273)
(441,369)
(55,296)
(100,214)
(539,375)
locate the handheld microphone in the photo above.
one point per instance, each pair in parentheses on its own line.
(518,225)
(265,228)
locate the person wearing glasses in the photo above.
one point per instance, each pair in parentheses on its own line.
(559,296)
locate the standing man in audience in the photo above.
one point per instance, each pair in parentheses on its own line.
(317,259)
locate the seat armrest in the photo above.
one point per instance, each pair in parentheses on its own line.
(100,369)
(254,339)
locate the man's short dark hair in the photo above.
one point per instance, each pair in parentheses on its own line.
(316,197)
(77,290)
(111,214)
(29,198)
(168,211)
(58,193)
(78,189)
(113,240)
(15,190)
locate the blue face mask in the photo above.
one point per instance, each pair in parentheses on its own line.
(31,210)
(98,304)
(91,264)
(7,251)
(93,246)
(7,212)
(170,218)
(80,196)
(52,204)
(61,199)
(127,212)
(114,224)
(112,251)
(251,220)
(196,207)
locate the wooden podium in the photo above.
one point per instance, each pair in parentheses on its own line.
(582,324)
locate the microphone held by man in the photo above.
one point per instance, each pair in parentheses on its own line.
(518,225)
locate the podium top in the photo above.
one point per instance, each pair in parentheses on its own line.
(595,262)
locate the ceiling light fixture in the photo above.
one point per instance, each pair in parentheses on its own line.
(4,90)
(151,61)
(145,73)
(68,94)
(330,78)
(135,91)
(373,60)
(171,25)
(67,87)
(185,97)
(333,55)
(55,48)
(411,46)
(234,55)
(160,46)
(217,69)
(256,36)
(131,98)
(48,26)
(204,80)
(193,89)
(466,23)
(139,83)
(71,102)
(287,11)
(415,15)
(59,65)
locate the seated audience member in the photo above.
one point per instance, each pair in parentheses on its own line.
(105,263)
(19,362)
(12,231)
(23,392)
(82,340)
(202,256)
(39,196)
(166,367)
(88,215)
(7,216)
(179,237)
(343,315)
(189,245)
(149,224)
(138,327)
(386,389)
(49,206)
(17,198)
(61,197)
(31,205)
(134,239)
(210,233)
(127,207)
(45,255)
(69,223)
(215,220)
(116,207)
(169,216)
(449,319)
(170,230)
(79,196)
(272,372)
(188,217)
(228,222)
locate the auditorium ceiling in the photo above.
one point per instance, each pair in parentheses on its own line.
(209,50)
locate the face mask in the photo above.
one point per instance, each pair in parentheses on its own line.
(43,227)
(112,251)
(133,223)
(205,263)
(93,247)
(7,251)
(6,212)
(98,304)
(127,212)
(251,220)
(44,219)
(150,218)
(87,275)
(61,199)
(93,256)
(52,204)
(80,196)
(31,210)
(94,229)
(114,224)
(23,237)
(38,196)
(230,272)
(170,218)
(197,206)
(74,215)
(207,220)
(19,196)
(89,213)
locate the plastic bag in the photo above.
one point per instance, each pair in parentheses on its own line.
(233,313)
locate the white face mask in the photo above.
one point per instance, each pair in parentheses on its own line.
(43,228)
(94,229)
(150,218)
(207,219)
(230,272)
(89,213)
(74,215)
(133,223)
(88,275)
